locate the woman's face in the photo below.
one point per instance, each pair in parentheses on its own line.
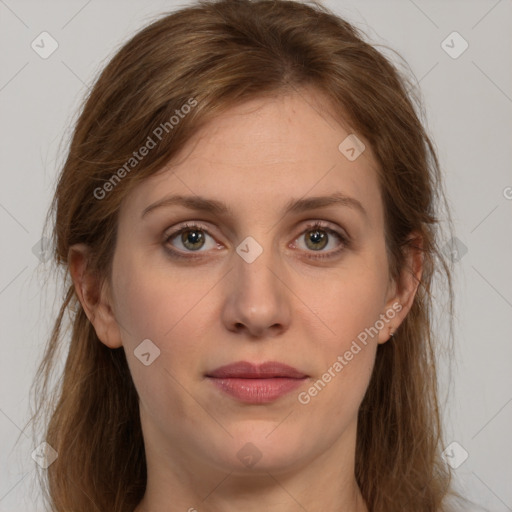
(254,282)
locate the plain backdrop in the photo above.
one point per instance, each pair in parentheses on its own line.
(468,100)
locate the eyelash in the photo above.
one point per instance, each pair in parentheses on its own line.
(317,225)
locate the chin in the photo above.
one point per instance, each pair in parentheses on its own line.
(263,447)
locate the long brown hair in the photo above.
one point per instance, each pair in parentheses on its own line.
(222,53)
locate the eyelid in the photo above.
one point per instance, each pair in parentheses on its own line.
(172,232)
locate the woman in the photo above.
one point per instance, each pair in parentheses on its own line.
(247,218)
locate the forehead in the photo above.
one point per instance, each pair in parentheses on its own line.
(265,151)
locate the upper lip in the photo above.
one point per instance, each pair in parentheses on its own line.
(247,370)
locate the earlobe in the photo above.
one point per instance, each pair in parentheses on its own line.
(404,288)
(93,294)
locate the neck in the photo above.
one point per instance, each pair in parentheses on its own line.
(263,492)
(324,483)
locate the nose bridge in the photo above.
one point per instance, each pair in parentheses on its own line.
(257,299)
(253,267)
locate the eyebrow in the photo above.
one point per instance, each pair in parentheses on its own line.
(293,206)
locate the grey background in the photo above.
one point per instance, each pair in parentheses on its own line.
(469,110)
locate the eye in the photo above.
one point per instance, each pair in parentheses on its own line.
(318,236)
(189,238)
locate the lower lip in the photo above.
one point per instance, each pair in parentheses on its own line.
(257,391)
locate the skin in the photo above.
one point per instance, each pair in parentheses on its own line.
(284,306)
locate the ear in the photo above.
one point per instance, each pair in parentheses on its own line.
(403,289)
(93,293)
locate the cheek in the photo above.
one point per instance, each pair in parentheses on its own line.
(139,307)
(350,301)
(152,305)
(334,395)
(350,307)
(168,307)
(151,301)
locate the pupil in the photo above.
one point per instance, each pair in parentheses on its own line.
(317,237)
(192,237)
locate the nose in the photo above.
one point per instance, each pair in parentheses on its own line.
(257,299)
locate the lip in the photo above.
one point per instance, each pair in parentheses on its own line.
(247,370)
(256,383)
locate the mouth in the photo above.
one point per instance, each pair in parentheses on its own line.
(256,384)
